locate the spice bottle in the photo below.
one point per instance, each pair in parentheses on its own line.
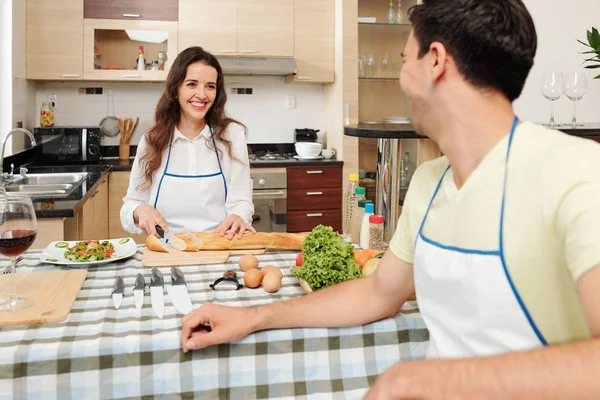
(46,115)
(364,225)
(376,232)
(359,194)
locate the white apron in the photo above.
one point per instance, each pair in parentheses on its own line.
(192,203)
(467,298)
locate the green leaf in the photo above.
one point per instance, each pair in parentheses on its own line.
(597,77)
(595,39)
(592,66)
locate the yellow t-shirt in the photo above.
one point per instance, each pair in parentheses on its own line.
(551,221)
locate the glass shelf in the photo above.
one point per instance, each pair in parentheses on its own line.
(385,24)
(364,78)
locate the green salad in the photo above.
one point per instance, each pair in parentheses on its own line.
(90,250)
(327,259)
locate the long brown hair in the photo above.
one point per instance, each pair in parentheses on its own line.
(168,111)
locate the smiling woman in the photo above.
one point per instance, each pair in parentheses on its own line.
(191,171)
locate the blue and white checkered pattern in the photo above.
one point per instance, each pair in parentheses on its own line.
(99,352)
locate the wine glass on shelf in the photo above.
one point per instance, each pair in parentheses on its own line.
(552,89)
(575,88)
(18,228)
(371,65)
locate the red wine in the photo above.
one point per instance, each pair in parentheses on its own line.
(15,242)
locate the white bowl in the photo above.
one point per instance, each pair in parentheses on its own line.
(308,150)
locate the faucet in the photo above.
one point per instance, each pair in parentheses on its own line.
(9,134)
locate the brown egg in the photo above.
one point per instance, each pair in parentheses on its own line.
(272,281)
(271,268)
(248,262)
(253,277)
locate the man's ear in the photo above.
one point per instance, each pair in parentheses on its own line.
(440,60)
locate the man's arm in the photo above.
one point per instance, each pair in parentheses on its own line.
(355,302)
(569,371)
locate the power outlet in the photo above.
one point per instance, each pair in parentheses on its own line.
(52,101)
(290,101)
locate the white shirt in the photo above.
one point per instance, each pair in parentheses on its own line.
(186,159)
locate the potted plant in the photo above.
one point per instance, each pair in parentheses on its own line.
(593,38)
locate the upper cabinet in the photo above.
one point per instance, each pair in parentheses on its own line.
(54,39)
(314,41)
(150,10)
(238,27)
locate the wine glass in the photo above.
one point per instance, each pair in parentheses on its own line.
(371,65)
(552,89)
(385,65)
(18,228)
(575,88)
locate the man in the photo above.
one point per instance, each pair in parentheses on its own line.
(500,237)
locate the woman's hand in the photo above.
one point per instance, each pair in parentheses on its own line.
(147,218)
(234,224)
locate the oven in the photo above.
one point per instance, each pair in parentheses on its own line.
(269,195)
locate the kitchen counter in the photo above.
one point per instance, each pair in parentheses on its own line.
(294,163)
(406,131)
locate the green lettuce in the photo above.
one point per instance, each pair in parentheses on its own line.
(327,259)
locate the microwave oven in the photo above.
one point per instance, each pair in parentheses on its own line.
(67,144)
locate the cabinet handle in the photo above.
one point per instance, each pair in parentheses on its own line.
(131,15)
(131,76)
(71,75)
(314,215)
(95,193)
(314,172)
(248,51)
(314,193)
(227,51)
(304,78)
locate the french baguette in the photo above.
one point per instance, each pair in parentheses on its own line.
(152,243)
(183,242)
(250,241)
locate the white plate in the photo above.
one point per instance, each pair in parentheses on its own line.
(397,122)
(55,255)
(308,158)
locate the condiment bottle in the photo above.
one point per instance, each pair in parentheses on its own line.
(376,232)
(46,115)
(141,64)
(364,226)
(355,231)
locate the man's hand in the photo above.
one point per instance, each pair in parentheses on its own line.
(235,225)
(147,217)
(226,325)
(409,380)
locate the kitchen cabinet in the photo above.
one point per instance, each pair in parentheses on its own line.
(314,197)
(111,48)
(118,182)
(314,41)
(54,47)
(93,215)
(238,27)
(153,10)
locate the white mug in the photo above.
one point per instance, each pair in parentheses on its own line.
(328,153)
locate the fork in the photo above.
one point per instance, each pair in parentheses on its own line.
(6,270)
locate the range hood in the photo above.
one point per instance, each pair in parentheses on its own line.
(257,65)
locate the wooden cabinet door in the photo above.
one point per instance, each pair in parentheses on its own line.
(86,231)
(153,10)
(100,199)
(118,182)
(266,28)
(210,24)
(54,39)
(314,40)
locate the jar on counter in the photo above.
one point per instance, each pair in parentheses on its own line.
(162,57)
(376,232)
(46,115)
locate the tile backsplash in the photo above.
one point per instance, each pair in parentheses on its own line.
(260,102)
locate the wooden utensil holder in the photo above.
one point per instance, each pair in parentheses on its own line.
(123,151)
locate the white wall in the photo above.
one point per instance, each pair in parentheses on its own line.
(5,67)
(263,112)
(559,23)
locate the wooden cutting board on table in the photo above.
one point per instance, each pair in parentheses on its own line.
(202,257)
(54,294)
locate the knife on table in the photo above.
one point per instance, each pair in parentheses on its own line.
(156,292)
(178,292)
(138,291)
(117,293)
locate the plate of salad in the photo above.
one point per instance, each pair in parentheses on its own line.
(88,252)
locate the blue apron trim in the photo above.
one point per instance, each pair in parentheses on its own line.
(500,251)
(164,172)
(501,245)
(193,176)
(459,249)
(219,161)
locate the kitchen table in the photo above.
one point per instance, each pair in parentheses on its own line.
(100,352)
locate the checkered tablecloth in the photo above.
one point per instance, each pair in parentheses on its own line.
(103,353)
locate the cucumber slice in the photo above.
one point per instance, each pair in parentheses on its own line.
(124,240)
(51,260)
(61,245)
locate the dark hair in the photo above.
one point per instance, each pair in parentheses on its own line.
(493,42)
(168,110)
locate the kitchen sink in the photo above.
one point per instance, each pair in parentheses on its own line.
(53,178)
(46,185)
(57,189)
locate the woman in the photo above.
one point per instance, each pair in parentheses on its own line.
(191,171)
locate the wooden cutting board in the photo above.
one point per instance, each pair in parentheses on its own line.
(176,257)
(54,293)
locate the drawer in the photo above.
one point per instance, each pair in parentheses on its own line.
(313,199)
(305,221)
(153,10)
(314,177)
